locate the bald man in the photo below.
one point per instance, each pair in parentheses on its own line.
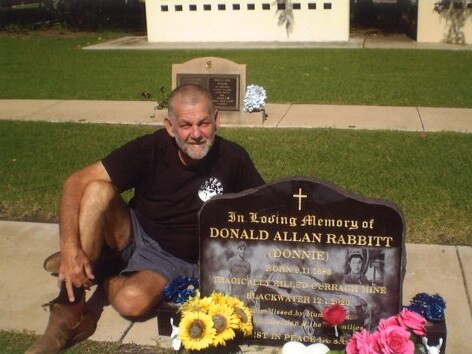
(133,250)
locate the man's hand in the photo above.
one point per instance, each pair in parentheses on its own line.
(75,270)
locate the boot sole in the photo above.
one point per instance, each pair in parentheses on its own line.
(52,263)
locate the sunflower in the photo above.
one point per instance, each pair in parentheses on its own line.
(225,322)
(196,304)
(196,331)
(232,301)
(245,319)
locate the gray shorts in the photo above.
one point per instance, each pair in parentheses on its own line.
(145,253)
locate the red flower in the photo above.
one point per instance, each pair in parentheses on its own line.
(334,314)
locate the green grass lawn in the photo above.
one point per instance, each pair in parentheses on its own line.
(12,342)
(426,175)
(56,66)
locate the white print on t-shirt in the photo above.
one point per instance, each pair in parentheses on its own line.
(210,188)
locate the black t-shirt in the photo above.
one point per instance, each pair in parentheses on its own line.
(168,195)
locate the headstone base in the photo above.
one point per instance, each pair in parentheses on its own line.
(242,118)
(435,331)
(164,313)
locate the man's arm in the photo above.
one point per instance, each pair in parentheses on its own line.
(76,267)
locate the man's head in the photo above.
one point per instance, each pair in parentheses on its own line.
(242,247)
(356,261)
(192,120)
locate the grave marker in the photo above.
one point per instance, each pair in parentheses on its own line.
(293,247)
(225,80)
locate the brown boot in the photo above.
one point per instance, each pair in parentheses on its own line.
(52,263)
(67,326)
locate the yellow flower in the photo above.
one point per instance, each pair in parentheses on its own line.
(196,331)
(245,319)
(196,304)
(232,301)
(225,321)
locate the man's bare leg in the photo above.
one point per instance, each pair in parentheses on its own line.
(133,295)
(103,218)
(136,294)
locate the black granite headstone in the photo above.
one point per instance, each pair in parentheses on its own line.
(293,247)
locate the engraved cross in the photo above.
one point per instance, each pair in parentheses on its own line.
(300,196)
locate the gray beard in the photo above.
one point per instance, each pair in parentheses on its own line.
(194,155)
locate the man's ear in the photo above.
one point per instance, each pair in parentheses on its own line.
(169,127)
(217,119)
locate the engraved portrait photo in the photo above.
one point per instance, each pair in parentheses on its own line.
(239,268)
(364,267)
(355,268)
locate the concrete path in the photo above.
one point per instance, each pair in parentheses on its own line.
(277,115)
(397,41)
(445,270)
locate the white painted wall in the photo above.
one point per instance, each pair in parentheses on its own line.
(258,25)
(436,28)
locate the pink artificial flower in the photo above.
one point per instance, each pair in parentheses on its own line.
(385,323)
(363,342)
(351,347)
(412,320)
(395,340)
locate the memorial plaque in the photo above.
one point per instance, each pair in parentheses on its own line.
(291,248)
(225,79)
(224,89)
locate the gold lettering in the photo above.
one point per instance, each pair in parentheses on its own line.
(374,289)
(294,236)
(234,217)
(277,298)
(298,253)
(331,238)
(308,220)
(261,335)
(351,240)
(231,216)
(272,219)
(351,288)
(231,233)
(313,220)
(299,338)
(359,240)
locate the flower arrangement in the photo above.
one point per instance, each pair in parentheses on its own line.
(430,307)
(254,100)
(404,333)
(447,5)
(180,289)
(441,5)
(396,334)
(212,321)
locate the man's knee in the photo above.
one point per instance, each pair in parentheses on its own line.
(133,302)
(104,216)
(98,194)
